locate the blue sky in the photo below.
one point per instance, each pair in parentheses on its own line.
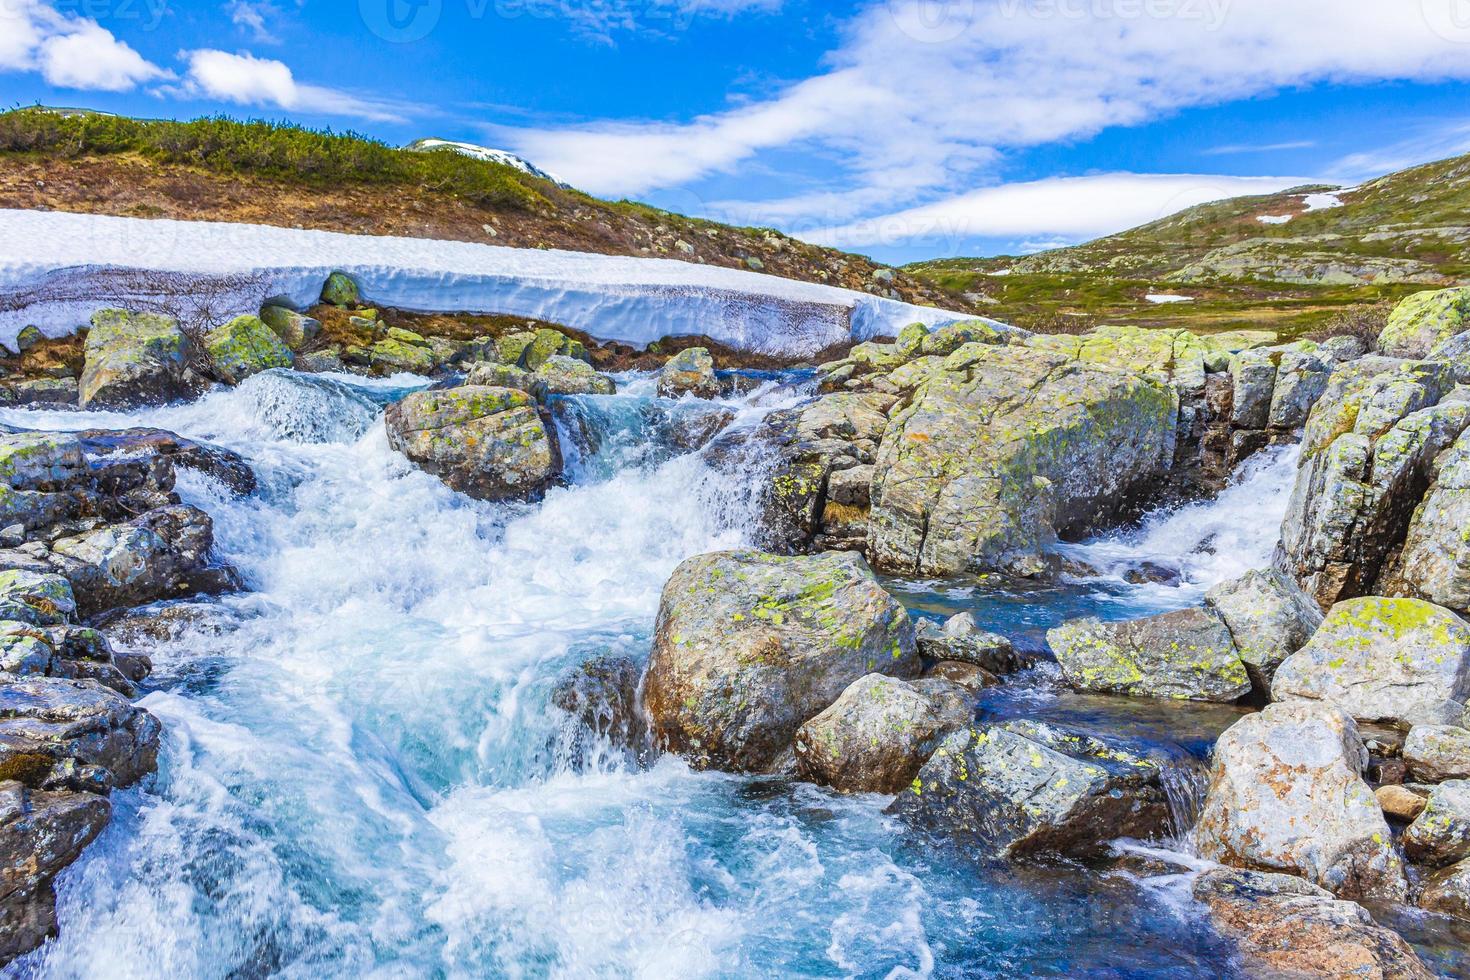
(905,129)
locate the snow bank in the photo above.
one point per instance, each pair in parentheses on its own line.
(57,269)
(1274,219)
(1161,298)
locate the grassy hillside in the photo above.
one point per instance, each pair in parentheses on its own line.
(1389,237)
(221,169)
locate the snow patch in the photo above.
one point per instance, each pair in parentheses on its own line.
(1274,219)
(57,269)
(1321,202)
(1161,298)
(488,154)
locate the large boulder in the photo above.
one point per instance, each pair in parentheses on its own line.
(135,359)
(1026,788)
(75,733)
(1402,661)
(1187,654)
(874,738)
(1448,891)
(559,375)
(1005,447)
(1424,320)
(960,639)
(749,646)
(1440,835)
(1283,926)
(1286,793)
(295,329)
(1434,561)
(689,372)
(1269,619)
(489,443)
(40,834)
(1434,753)
(243,347)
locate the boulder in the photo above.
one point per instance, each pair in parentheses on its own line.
(41,833)
(1440,835)
(1434,561)
(489,443)
(749,646)
(1448,891)
(1026,788)
(689,372)
(968,676)
(1286,793)
(1187,654)
(1435,753)
(1302,373)
(1400,801)
(125,459)
(296,330)
(1253,373)
(87,736)
(1006,447)
(1401,661)
(559,375)
(1424,320)
(1269,619)
(402,351)
(962,640)
(340,289)
(243,347)
(874,738)
(40,391)
(1284,926)
(135,359)
(36,598)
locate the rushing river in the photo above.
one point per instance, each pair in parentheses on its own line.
(362,774)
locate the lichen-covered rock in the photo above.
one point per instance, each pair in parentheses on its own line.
(1440,835)
(1187,654)
(1435,753)
(962,640)
(749,646)
(1448,891)
(402,351)
(1302,374)
(41,833)
(1424,320)
(1284,926)
(1004,448)
(559,375)
(40,391)
(1253,373)
(1025,788)
(340,289)
(1287,794)
(135,359)
(875,736)
(689,372)
(490,443)
(1434,561)
(1269,619)
(296,330)
(92,736)
(243,347)
(38,599)
(1403,661)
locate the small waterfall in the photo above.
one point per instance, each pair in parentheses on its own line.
(1185,781)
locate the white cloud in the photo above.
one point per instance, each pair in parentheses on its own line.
(252,17)
(69,52)
(1235,148)
(1058,210)
(602,19)
(248,80)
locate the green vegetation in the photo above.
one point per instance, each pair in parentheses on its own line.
(266,149)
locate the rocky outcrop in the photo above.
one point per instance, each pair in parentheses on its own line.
(1440,835)
(960,639)
(1284,926)
(689,372)
(1025,788)
(1287,794)
(559,375)
(1424,320)
(1402,661)
(1001,448)
(243,347)
(135,359)
(876,735)
(1434,753)
(749,646)
(489,443)
(1187,654)
(1269,619)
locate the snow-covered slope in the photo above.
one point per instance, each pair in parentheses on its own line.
(488,154)
(56,269)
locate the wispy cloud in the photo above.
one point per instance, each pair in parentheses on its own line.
(254,18)
(1236,148)
(1427,142)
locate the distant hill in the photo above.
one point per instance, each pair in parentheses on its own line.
(504,157)
(1291,260)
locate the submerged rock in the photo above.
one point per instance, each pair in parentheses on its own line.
(1187,654)
(1287,794)
(602,696)
(689,372)
(1284,926)
(1440,835)
(1402,661)
(874,738)
(243,347)
(135,359)
(1026,788)
(1269,619)
(749,646)
(489,443)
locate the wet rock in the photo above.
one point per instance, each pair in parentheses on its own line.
(35,598)
(243,347)
(559,375)
(1400,801)
(1448,891)
(1402,661)
(1187,654)
(749,646)
(690,372)
(1284,926)
(602,696)
(489,443)
(135,359)
(1269,619)
(41,833)
(1026,788)
(969,676)
(296,330)
(960,639)
(1004,448)
(1286,794)
(875,736)
(123,459)
(93,737)
(1440,835)
(1435,753)
(1424,320)
(40,391)
(687,428)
